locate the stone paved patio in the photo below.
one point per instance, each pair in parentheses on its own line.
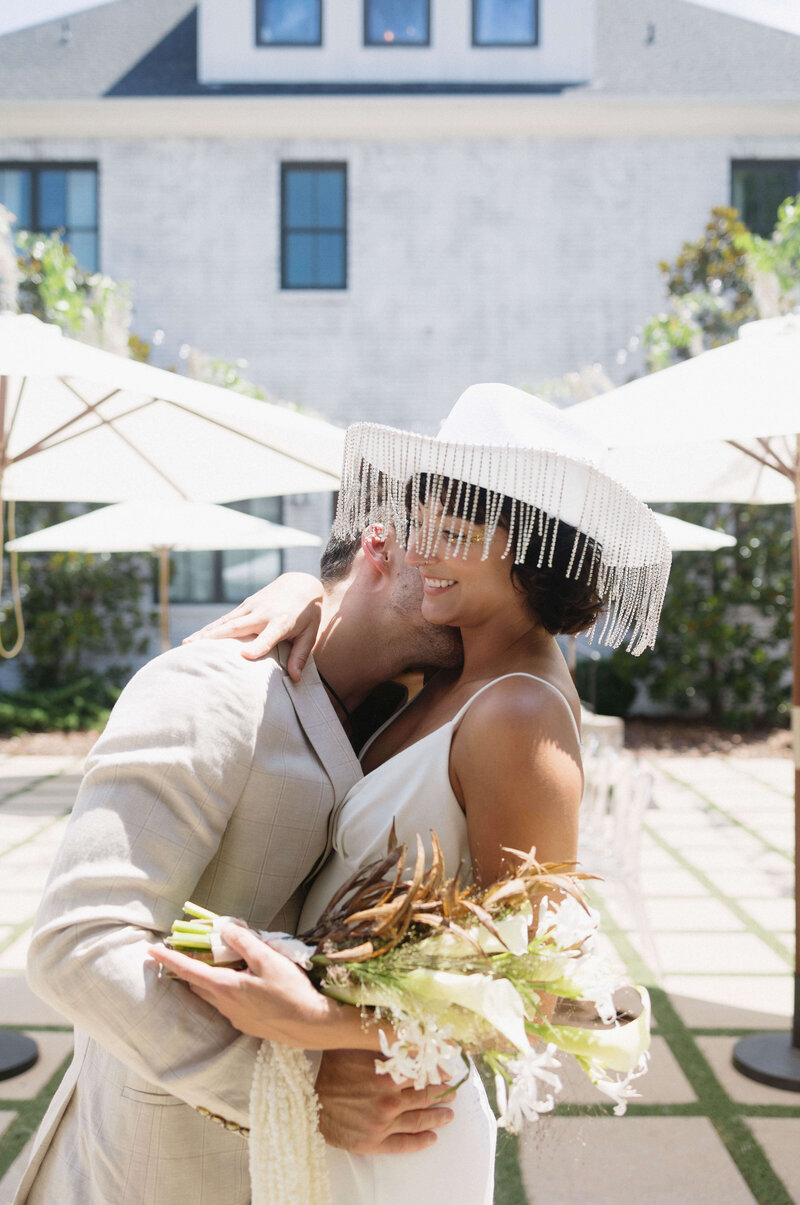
(716,893)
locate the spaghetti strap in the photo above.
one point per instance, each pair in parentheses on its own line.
(459,714)
(519,674)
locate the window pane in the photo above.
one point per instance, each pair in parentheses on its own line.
(192,577)
(330,261)
(52,200)
(262,508)
(243,572)
(758,190)
(505,22)
(298,268)
(299,198)
(330,199)
(397,21)
(289,21)
(15,194)
(314,221)
(81,208)
(83,245)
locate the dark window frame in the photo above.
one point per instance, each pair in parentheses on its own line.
(328,165)
(506,45)
(394,45)
(217,568)
(36,167)
(259,41)
(750,163)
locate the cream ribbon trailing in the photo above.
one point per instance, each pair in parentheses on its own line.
(287,1150)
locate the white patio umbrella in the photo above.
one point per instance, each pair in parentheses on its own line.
(691,537)
(723,426)
(79,424)
(161,528)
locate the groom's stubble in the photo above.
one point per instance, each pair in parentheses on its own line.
(426,644)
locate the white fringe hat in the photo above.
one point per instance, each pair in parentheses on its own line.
(517,447)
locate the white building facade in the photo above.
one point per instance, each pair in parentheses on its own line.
(499,211)
(375,203)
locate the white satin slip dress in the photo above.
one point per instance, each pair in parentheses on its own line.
(413,790)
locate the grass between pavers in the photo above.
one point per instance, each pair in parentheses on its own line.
(29,1113)
(16,932)
(751,925)
(52,820)
(712,808)
(24,790)
(726,1115)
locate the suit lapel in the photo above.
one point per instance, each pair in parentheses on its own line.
(322,727)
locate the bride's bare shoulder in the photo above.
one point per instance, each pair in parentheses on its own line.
(524,704)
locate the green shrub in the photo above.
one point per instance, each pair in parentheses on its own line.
(78,610)
(605,685)
(81,705)
(723,647)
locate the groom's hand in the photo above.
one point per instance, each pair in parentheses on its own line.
(369,1114)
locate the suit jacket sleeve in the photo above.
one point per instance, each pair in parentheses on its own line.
(158,791)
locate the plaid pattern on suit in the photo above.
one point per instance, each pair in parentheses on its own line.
(214,781)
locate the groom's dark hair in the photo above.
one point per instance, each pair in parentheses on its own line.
(337,558)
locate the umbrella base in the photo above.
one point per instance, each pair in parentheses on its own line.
(17,1053)
(769,1058)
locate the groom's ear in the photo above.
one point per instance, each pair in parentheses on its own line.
(377,544)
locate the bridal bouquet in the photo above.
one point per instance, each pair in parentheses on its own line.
(456,971)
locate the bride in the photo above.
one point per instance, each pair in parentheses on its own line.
(518,536)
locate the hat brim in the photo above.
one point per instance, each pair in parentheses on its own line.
(630,555)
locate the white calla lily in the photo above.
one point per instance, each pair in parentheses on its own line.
(495,1000)
(619,1047)
(513,932)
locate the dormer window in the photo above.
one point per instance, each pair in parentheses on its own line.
(289,22)
(397,23)
(505,23)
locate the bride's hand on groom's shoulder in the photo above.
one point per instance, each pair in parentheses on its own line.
(286,609)
(369,1114)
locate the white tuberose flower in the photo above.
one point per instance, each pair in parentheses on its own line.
(570,924)
(521,1101)
(620,1090)
(425,1056)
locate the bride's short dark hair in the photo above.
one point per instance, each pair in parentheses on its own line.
(564,605)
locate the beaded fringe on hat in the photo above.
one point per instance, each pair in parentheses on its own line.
(619,546)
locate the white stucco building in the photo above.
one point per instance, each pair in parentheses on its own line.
(377,202)
(501,209)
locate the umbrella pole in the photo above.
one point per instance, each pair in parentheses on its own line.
(163,596)
(774,1058)
(17,1051)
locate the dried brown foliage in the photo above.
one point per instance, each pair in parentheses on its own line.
(375,909)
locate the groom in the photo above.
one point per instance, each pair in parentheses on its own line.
(215,780)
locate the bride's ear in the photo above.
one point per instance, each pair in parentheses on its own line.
(377,544)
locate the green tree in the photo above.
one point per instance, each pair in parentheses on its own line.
(709,293)
(90,307)
(724,638)
(774,262)
(723,645)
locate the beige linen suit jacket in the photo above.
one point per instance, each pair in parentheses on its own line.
(214,781)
